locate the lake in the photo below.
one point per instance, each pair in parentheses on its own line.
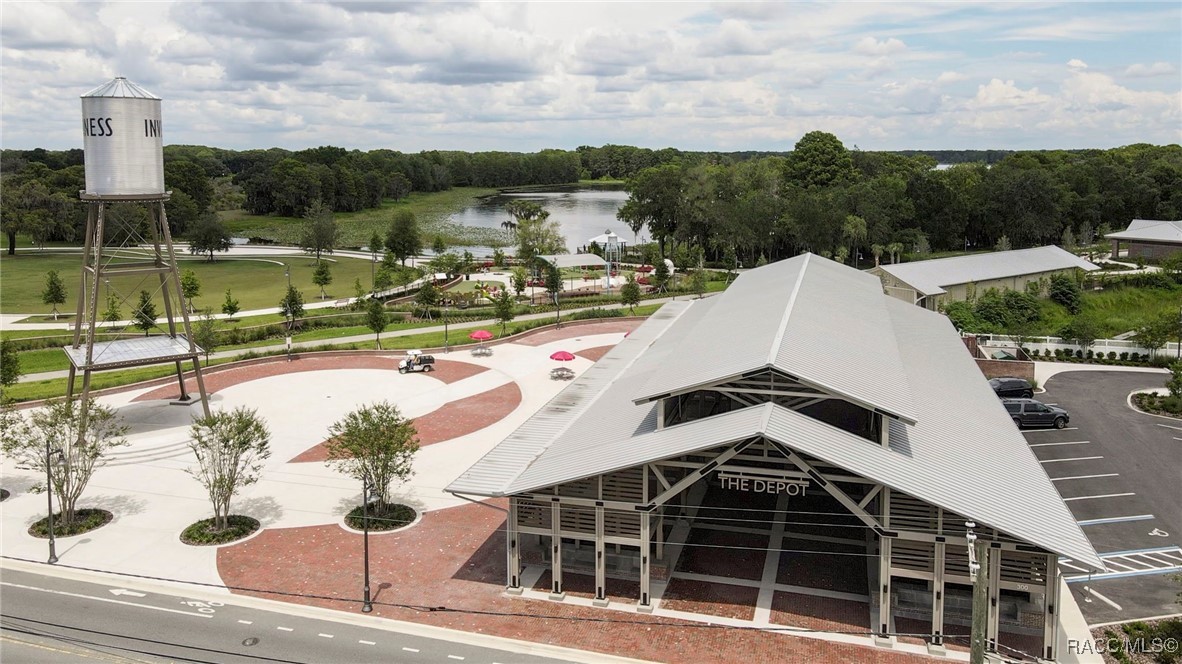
(583,212)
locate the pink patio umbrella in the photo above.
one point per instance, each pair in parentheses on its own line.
(562,356)
(481,336)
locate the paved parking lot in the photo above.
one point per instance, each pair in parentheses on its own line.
(1120,473)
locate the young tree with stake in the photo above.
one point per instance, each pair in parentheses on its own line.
(190,287)
(205,333)
(144,316)
(375,445)
(503,308)
(230,448)
(630,293)
(322,277)
(376,319)
(292,306)
(55,291)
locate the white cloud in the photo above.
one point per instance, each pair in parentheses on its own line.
(1076,64)
(872,46)
(1159,68)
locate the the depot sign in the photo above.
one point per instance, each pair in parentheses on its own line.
(763,484)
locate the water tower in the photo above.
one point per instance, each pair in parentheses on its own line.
(124,252)
(612,253)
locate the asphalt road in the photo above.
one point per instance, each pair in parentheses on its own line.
(1120,472)
(51,619)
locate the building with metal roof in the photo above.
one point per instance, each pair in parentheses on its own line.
(809,407)
(938,281)
(1148,238)
(561,261)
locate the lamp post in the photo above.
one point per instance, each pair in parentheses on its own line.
(367,604)
(446,339)
(49,499)
(287,273)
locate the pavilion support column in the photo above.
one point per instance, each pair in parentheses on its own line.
(556,552)
(513,549)
(600,561)
(936,646)
(884,588)
(992,629)
(1050,626)
(646,600)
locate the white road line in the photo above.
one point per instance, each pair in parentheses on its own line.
(104,599)
(327,636)
(246,622)
(411,649)
(1074,442)
(1104,599)
(454,657)
(1115,519)
(1169,427)
(1083,477)
(1177,438)
(1071,459)
(368,643)
(1049,430)
(285,629)
(1106,495)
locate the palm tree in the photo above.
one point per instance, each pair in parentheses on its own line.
(894,249)
(509,225)
(877,250)
(842,253)
(854,232)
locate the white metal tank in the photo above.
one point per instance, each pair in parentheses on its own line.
(123,140)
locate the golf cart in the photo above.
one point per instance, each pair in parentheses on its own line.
(416,361)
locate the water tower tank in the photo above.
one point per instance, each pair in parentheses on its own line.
(123,140)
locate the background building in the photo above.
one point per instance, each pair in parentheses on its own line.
(1147,238)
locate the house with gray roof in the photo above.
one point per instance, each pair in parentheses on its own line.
(935,282)
(800,422)
(1147,238)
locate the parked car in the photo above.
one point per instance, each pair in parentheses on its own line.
(416,361)
(1031,413)
(1012,387)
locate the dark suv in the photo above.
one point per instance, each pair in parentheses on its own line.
(1011,387)
(1031,413)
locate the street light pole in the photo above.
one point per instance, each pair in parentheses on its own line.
(446,339)
(49,499)
(367,604)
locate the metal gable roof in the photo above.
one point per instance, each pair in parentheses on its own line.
(930,277)
(1150,231)
(574,260)
(783,315)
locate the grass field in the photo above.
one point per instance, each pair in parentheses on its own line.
(257,284)
(1118,309)
(430,209)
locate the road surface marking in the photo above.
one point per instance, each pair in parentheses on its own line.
(1106,495)
(1071,459)
(1046,430)
(1169,427)
(1137,562)
(246,622)
(1115,519)
(1104,599)
(1083,477)
(124,591)
(454,657)
(1074,442)
(411,649)
(327,636)
(368,643)
(104,599)
(285,629)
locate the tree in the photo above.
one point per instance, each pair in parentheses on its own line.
(654,200)
(55,291)
(536,234)
(144,314)
(383,279)
(520,280)
(498,257)
(1174,384)
(359,294)
(1064,290)
(877,250)
(630,293)
(820,160)
(208,236)
(503,308)
(731,261)
(427,297)
(10,365)
(403,238)
(84,432)
(375,445)
(895,249)
(190,287)
(1083,330)
(1068,239)
(230,447)
(292,306)
(661,274)
(376,319)
(230,305)
(322,277)
(1003,244)
(553,288)
(438,246)
(320,230)
(112,313)
(697,282)
(853,231)
(205,333)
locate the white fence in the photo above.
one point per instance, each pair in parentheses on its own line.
(1050,344)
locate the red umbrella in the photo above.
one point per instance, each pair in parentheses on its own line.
(481,335)
(645,268)
(562,356)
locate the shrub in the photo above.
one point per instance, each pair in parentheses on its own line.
(85,520)
(1058,353)
(1112,355)
(597,313)
(1089,354)
(1124,356)
(395,515)
(204,531)
(1079,354)
(1034,353)
(1136,357)
(1066,292)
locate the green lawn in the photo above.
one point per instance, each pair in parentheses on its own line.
(431,210)
(1118,309)
(256,284)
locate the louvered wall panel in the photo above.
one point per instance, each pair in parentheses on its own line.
(533,513)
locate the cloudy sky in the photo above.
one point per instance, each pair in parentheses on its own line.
(526,76)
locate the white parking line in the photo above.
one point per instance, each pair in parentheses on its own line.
(1115,519)
(368,643)
(1084,477)
(246,622)
(1169,427)
(411,649)
(1074,442)
(1046,430)
(327,636)
(1104,599)
(1107,495)
(454,657)
(285,629)
(1071,459)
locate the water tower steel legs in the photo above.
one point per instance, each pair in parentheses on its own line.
(176,277)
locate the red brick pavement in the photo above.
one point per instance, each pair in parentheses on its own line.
(451,420)
(575,331)
(820,613)
(447,371)
(594,354)
(712,599)
(455,558)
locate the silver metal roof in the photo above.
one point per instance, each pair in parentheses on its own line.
(128,352)
(818,321)
(930,277)
(963,453)
(1151,231)
(120,87)
(574,260)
